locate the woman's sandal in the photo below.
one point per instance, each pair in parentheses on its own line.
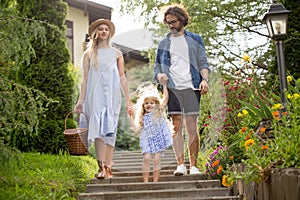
(108,172)
(101,171)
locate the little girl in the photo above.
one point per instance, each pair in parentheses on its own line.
(155,134)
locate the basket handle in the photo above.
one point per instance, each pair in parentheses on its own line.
(67,116)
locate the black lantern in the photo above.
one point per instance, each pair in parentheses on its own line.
(276,20)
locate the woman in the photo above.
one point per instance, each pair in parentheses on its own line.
(100,93)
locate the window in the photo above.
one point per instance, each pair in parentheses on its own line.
(70,39)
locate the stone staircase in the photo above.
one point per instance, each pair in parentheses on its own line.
(127,183)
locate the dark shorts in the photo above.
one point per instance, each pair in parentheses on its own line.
(185,102)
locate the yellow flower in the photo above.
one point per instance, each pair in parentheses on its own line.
(296,96)
(249,142)
(245,112)
(246,58)
(240,114)
(276,106)
(226,181)
(289,78)
(289,96)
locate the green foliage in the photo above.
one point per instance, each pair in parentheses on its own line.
(226,28)
(260,151)
(218,160)
(292,43)
(49,71)
(127,141)
(42,176)
(20,110)
(287,138)
(16,34)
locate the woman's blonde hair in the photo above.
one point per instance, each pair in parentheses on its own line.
(93,46)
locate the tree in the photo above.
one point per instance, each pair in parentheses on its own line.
(20,106)
(50,70)
(231,29)
(36,59)
(292,44)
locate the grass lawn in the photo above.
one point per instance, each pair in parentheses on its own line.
(42,176)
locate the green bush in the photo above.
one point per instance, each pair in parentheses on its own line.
(50,71)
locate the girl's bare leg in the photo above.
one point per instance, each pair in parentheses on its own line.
(146,167)
(156,166)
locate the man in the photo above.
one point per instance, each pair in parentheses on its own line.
(181,63)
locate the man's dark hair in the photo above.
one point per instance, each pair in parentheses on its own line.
(178,11)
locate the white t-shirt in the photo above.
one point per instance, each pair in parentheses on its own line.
(180,65)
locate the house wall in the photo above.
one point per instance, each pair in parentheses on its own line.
(80,28)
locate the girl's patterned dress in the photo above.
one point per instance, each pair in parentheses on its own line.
(155,135)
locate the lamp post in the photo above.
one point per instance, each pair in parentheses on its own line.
(276,20)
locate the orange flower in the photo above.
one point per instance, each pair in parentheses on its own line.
(284,113)
(276,115)
(249,142)
(215,163)
(243,129)
(262,129)
(219,169)
(231,157)
(247,137)
(264,147)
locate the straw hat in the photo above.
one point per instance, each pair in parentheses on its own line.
(96,23)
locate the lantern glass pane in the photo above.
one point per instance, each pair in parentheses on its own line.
(279,24)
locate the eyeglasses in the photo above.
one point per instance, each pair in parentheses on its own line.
(171,22)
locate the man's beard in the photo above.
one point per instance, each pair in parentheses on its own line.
(175,30)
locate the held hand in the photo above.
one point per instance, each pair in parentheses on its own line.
(129,109)
(162,78)
(78,108)
(162,107)
(203,87)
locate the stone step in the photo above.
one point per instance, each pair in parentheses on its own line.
(139,172)
(94,188)
(140,157)
(170,159)
(117,163)
(128,154)
(203,198)
(139,178)
(153,194)
(139,168)
(127,182)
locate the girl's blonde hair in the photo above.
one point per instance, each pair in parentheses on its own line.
(143,111)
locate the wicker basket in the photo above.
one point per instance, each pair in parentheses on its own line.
(76,138)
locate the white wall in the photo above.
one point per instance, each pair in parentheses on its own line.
(80,28)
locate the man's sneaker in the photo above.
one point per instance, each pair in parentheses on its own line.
(194,170)
(181,170)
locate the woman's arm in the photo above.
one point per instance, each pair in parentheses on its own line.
(86,68)
(124,83)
